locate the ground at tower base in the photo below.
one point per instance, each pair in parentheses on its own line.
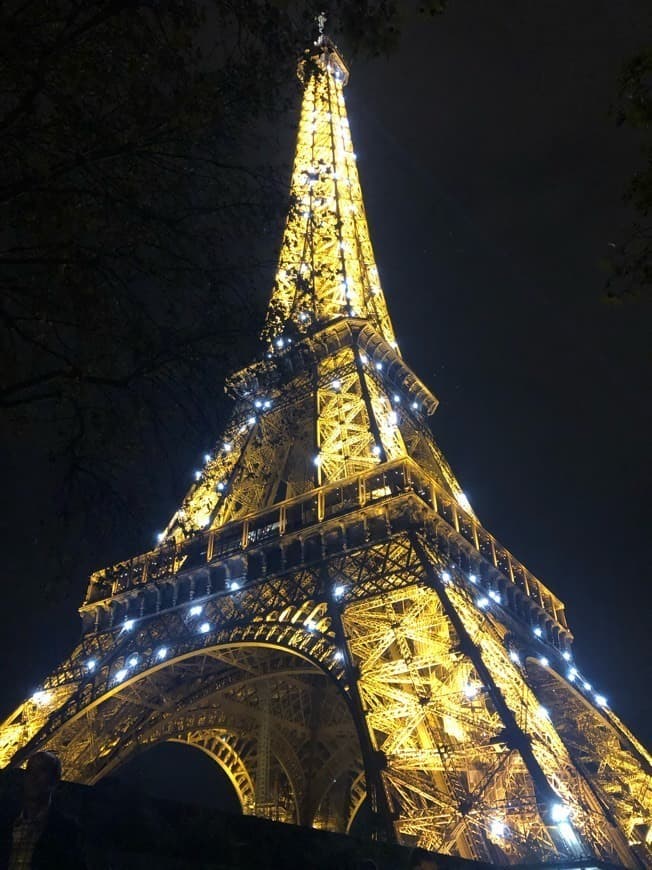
(124,829)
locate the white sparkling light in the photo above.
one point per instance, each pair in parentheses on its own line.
(41,698)
(364,359)
(537,631)
(482,602)
(91,665)
(336,384)
(161,653)
(196,609)
(463,501)
(379,366)
(251,421)
(205,627)
(220,486)
(393,418)
(514,656)
(228,446)
(587,686)
(207,457)
(567,832)
(128,624)
(234,586)
(133,661)
(473,578)
(339,591)
(566,655)
(198,475)
(498,828)
(160,537)
(600,700)
(544,661)
(559,813)
(445,576)
(471,690)
(543,713)
(415,406)
(120,675)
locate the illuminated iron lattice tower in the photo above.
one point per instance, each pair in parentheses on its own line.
(325,616)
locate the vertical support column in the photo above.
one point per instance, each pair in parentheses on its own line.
(264,750)
(514,736)
(373,760)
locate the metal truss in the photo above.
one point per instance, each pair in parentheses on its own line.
(325,617)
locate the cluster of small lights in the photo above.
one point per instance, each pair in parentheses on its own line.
(261,404)
(573,675)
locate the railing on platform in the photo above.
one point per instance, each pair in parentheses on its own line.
(314,507)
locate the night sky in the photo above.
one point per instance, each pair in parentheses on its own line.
(493,177)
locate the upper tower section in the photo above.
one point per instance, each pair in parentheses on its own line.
(326,267)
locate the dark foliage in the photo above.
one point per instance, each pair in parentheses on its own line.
(631,264)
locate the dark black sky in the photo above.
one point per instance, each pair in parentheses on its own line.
(493,178)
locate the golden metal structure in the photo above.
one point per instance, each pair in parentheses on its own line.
(325,616)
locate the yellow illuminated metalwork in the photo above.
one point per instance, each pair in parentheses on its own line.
(325,616)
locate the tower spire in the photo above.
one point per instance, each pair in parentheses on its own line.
(326,268)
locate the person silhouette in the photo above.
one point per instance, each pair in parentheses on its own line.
(34,834)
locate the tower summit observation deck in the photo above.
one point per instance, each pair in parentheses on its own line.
(324,615)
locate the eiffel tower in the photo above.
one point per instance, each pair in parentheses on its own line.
(325,616)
